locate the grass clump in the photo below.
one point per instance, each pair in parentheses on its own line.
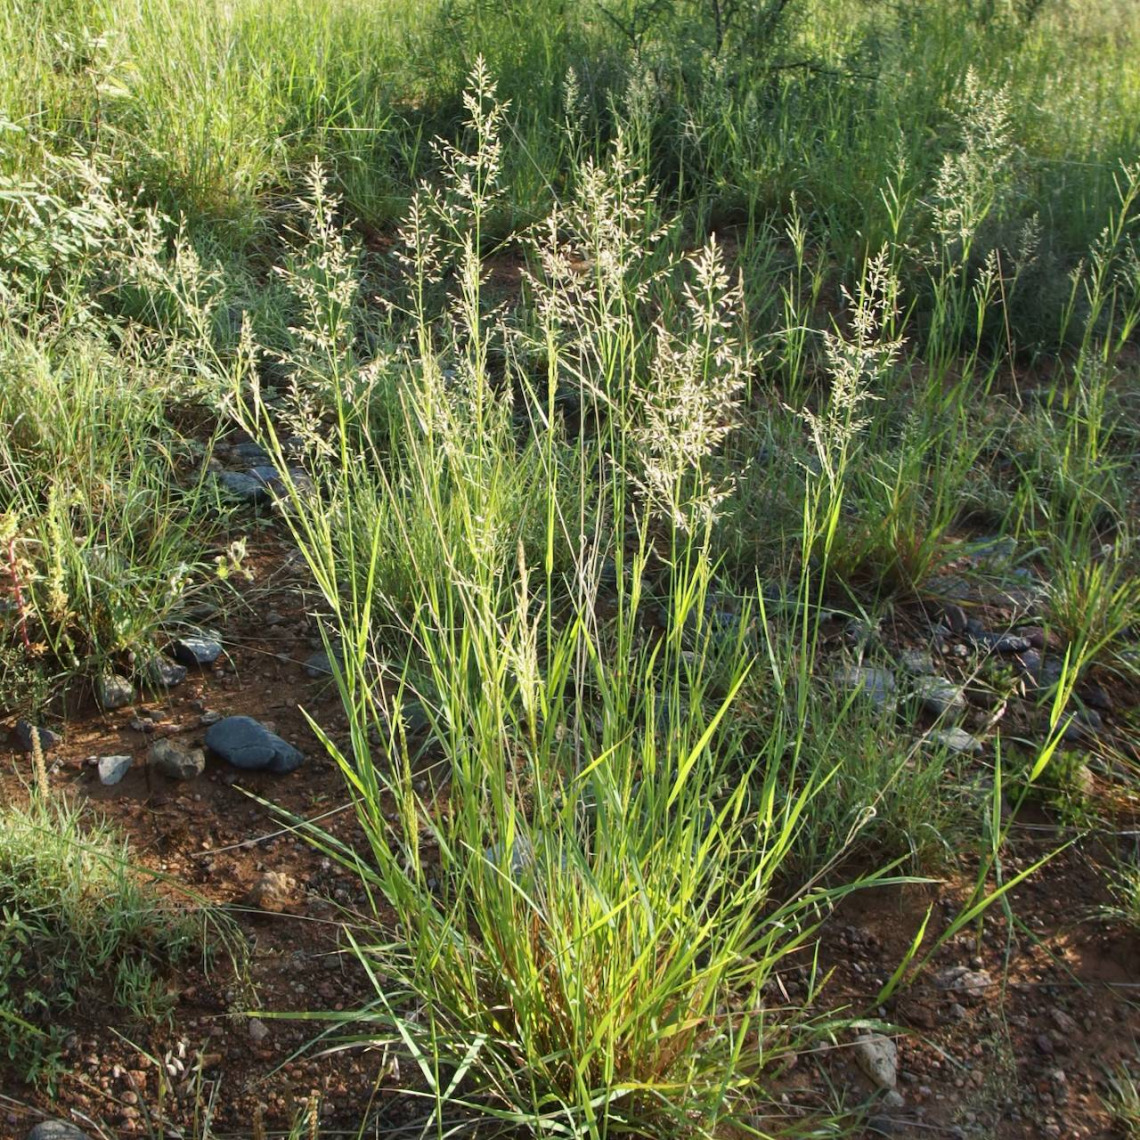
(590,877)
(81,932)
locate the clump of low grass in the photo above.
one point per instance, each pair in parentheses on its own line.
(1123,1100)
(81,932)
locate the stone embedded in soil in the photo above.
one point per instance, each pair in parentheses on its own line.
(272,891)
(878,1057)
(175,761)
(258,1031)
(956,740)
(319,665)
(244,743)
(972,984)
(196,650)
(274,483)
(56,1130)
(1062,1021)
(522,857)
(250,452)
(113,768)
(1096,696)
(877,684)
(916,662)
(939,697)
(163,673)
(113,691)
(954,617)
(23,733)
(244,488)
(413,717)
(1004,642)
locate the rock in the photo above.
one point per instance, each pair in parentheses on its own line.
(1090,719)
(275,485)
(882,1126)
(916,662)
(1096,696)
(956,740)
(1028,664)
(113,691)
(954,617)
(258,1031)
(197,649)
(319,665)
(164,674)
(23,733)
(939,697)
(893,1099)
(175,761)
(272,891)
(1062,1021)
(877,684)
(972,984)
(56,1130)
(244,743)
(209,717)
(522,861)
(414,719)
(250,452)
(113,768)
(244,488)
(992,549)
(1003,642)
(878,1057)
(1085,725)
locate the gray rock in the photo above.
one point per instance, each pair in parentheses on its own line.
(113,691)
(1003,642)
(113,768)
(244,488)
(413,717)
(878,1057)
(916,662)
(995,547)
(974,984)
(939,697)
(244,743)
(956,740)
(954,617)
(197,649)
(258,1031)
(876,684)
(23,734)
(56,1130)
(250,452)
(175,761)
(1096,696)
(319,665)
(881,1125)
(164,674)
(522,861)
(275,485)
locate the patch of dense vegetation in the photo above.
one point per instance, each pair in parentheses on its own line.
(694,417)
